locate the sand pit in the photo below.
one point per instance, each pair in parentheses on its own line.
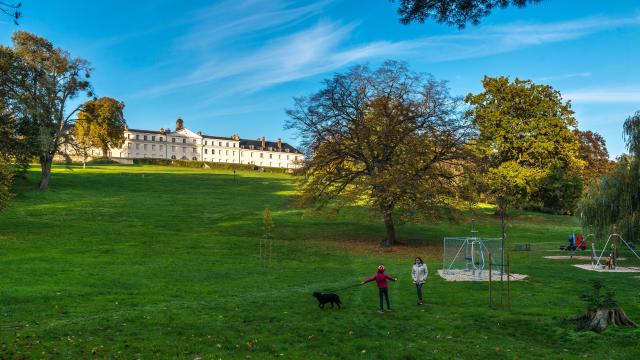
(569,257)
(604,269)
(462,275)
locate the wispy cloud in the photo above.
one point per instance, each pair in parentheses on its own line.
(231,20)
(604,95)
(326,46)
(584,74)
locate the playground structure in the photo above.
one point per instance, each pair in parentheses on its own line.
(469,258)
(613,255)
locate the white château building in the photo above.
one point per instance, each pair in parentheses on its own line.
(184,144)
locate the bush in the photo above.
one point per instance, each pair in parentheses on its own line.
(102,161)
(208,164)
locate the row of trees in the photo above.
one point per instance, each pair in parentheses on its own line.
(398,142)
(611,203)
(37,84)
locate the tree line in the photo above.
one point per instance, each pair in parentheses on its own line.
(38,82)
(398,142)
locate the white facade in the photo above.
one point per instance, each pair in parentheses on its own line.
(184,144)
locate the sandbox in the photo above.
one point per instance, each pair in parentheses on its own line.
(569,257)
(603,268)
(464,275)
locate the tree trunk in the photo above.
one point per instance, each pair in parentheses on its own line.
(105,152)
(600,319)
(389,224)
(45,165)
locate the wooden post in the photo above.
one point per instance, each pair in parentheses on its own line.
(490,295)
(270,250)
(502,279)
(508,282)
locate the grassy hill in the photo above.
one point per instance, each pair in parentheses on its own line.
(157,262)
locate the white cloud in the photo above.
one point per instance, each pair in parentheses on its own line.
(606,95)
(322,47)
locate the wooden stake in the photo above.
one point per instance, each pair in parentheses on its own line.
(508,282)
(260,251)
(502,281)
(490,295)
(270,250)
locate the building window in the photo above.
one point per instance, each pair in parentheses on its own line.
(234,144)
(173,139)
(270,156)
(184,150)
(205,151)
(145,146)
(153,147)
(173,149)
(128,136)
(145,139)
(137,146)
(160,147)
(227,144)
(137,137)
(261,156)
(153,138)
(234,153)
(219,152)
(195,141)
(161,138)
(205,142)
(226,152)
(219,143)
(129,145)
(184,141)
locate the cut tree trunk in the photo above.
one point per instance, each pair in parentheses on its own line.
(45,165)
(602,318)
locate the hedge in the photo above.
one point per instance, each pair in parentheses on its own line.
(212,165)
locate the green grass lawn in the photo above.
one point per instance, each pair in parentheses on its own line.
(156,262)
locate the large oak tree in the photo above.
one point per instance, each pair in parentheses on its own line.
(388,138)
(39,81)
(527,145)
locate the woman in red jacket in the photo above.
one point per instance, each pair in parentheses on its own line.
(383,289)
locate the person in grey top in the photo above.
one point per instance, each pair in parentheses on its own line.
(419,274)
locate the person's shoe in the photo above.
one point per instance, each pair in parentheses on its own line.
(388,310)
(380,311)
(420,302)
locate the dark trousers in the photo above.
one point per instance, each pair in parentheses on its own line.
(384,293)
(419,290)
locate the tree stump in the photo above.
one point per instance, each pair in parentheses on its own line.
(602,318)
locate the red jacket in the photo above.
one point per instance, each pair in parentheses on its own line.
(381,280)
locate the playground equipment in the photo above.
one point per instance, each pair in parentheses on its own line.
(596,261)
(470,255)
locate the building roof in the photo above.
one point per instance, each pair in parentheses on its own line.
(246,143)
(268,144)
(145,131)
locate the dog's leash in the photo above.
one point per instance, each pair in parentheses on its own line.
(345,288)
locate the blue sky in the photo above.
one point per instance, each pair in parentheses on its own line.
(233,66)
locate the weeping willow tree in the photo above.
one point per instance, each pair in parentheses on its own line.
(612,203)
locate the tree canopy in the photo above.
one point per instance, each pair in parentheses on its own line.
(526,142)
(388,138)
(38,81)
(101,124)
(453,12)
(612,202)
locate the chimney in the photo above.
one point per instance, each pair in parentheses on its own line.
(264,143)
(179,124)
(279,144)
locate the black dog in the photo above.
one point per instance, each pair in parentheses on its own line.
(324,298)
